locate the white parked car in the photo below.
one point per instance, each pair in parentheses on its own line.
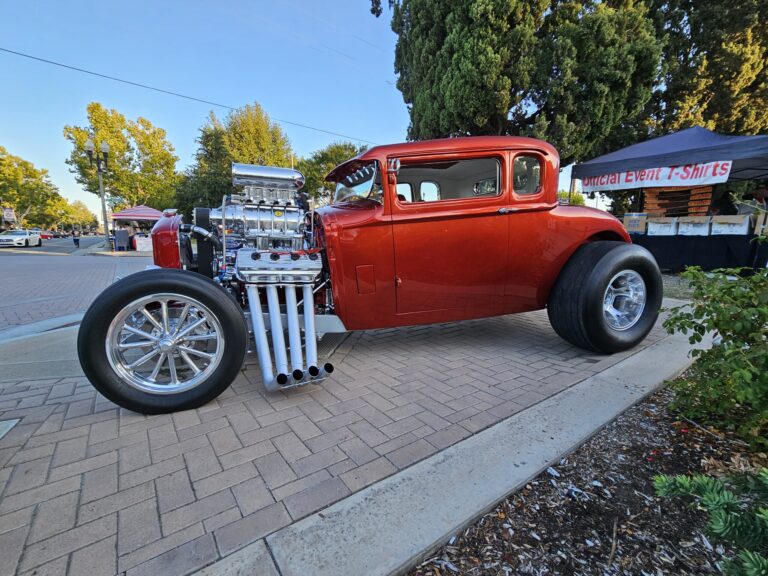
(20,238)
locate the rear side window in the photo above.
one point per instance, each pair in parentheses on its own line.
(404,192)
(451,180)
(526,175)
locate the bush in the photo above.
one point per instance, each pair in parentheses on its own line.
(727,385)
(738,514)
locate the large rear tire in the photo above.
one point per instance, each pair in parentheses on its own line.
(607,297)
(161,341)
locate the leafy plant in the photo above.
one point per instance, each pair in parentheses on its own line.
(738,514)
(728,384)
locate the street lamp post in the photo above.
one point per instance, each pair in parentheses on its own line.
(101,165)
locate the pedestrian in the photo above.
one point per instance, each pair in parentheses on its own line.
(76,238)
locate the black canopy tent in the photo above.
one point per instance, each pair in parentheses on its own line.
(695,145)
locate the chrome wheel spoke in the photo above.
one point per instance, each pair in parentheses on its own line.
(144,359)
(182,317)
(172,366)
(152,320)
(200,337)
(142,344)
(200,353)
(132,330)
(189,362)
(156,369)
(164,311)
(190,328)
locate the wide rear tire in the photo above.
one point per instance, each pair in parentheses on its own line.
(607,297)
(141,324)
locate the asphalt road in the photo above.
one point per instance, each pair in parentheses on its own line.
(55,246)
(37,286)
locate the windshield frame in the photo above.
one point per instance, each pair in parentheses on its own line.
(366,189)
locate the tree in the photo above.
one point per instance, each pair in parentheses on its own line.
(79,215)
(575,73)
(26,189)
(321,162)
(142,162)
(575,199)
(246,135)
(715,66)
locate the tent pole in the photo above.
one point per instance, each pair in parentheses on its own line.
(573,187)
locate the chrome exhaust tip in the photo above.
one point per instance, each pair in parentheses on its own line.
(328,368)
(298,375)
(314,371)
(282,379)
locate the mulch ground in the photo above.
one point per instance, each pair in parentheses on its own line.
(596,511)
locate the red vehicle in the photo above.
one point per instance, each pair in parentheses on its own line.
(416,233)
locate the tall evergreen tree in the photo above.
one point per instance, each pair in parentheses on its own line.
(571,72)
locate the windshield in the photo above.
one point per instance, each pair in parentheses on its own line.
(14,233)
(362,184)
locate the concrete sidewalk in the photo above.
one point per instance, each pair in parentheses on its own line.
(420,430)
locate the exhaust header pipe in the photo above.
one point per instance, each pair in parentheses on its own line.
(300,372)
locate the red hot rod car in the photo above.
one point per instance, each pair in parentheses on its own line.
(416,233)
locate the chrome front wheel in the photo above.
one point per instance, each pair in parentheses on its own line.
(165,343)
(162,340)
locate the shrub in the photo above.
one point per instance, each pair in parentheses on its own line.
(738,514)
(727,385)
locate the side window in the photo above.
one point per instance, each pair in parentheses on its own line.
(450,179)
(429,191)
(526,175)
(404,192)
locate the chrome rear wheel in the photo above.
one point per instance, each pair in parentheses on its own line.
(624,300)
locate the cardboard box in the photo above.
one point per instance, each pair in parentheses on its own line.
(761,225)
(635,222)
(693,226)
(662,226)
(736,225)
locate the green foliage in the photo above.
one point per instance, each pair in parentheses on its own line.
(142,163)
(321,162)
(571,72)
(714,68)
(575,199)
(728,383)
(246,135)
(738,514)
(589,76)
(28,190)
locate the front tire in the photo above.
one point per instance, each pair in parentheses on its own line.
(26,243)
(161,341)
(39,242)
(607,297)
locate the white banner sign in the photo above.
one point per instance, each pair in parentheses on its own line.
(688,175)
(8,215)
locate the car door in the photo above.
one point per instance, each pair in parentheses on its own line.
(450,240)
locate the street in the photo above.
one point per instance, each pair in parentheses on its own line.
(38,286)
(55,246)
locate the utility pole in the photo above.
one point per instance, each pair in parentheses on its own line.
(101,165)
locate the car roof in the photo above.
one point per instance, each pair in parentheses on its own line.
(441,145)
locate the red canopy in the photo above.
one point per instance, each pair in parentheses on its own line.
(138,213)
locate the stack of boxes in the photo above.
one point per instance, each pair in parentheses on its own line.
(641,223)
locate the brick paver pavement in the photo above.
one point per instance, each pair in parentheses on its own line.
(39,287)
(88,488)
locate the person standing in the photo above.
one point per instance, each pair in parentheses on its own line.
(76,238)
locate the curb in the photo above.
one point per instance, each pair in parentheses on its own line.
(35,328)
(389,526)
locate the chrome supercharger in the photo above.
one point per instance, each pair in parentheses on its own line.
(267,248)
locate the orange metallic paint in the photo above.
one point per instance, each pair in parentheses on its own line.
(454,259)
(165,241)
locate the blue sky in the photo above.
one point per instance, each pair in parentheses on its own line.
(325,64)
